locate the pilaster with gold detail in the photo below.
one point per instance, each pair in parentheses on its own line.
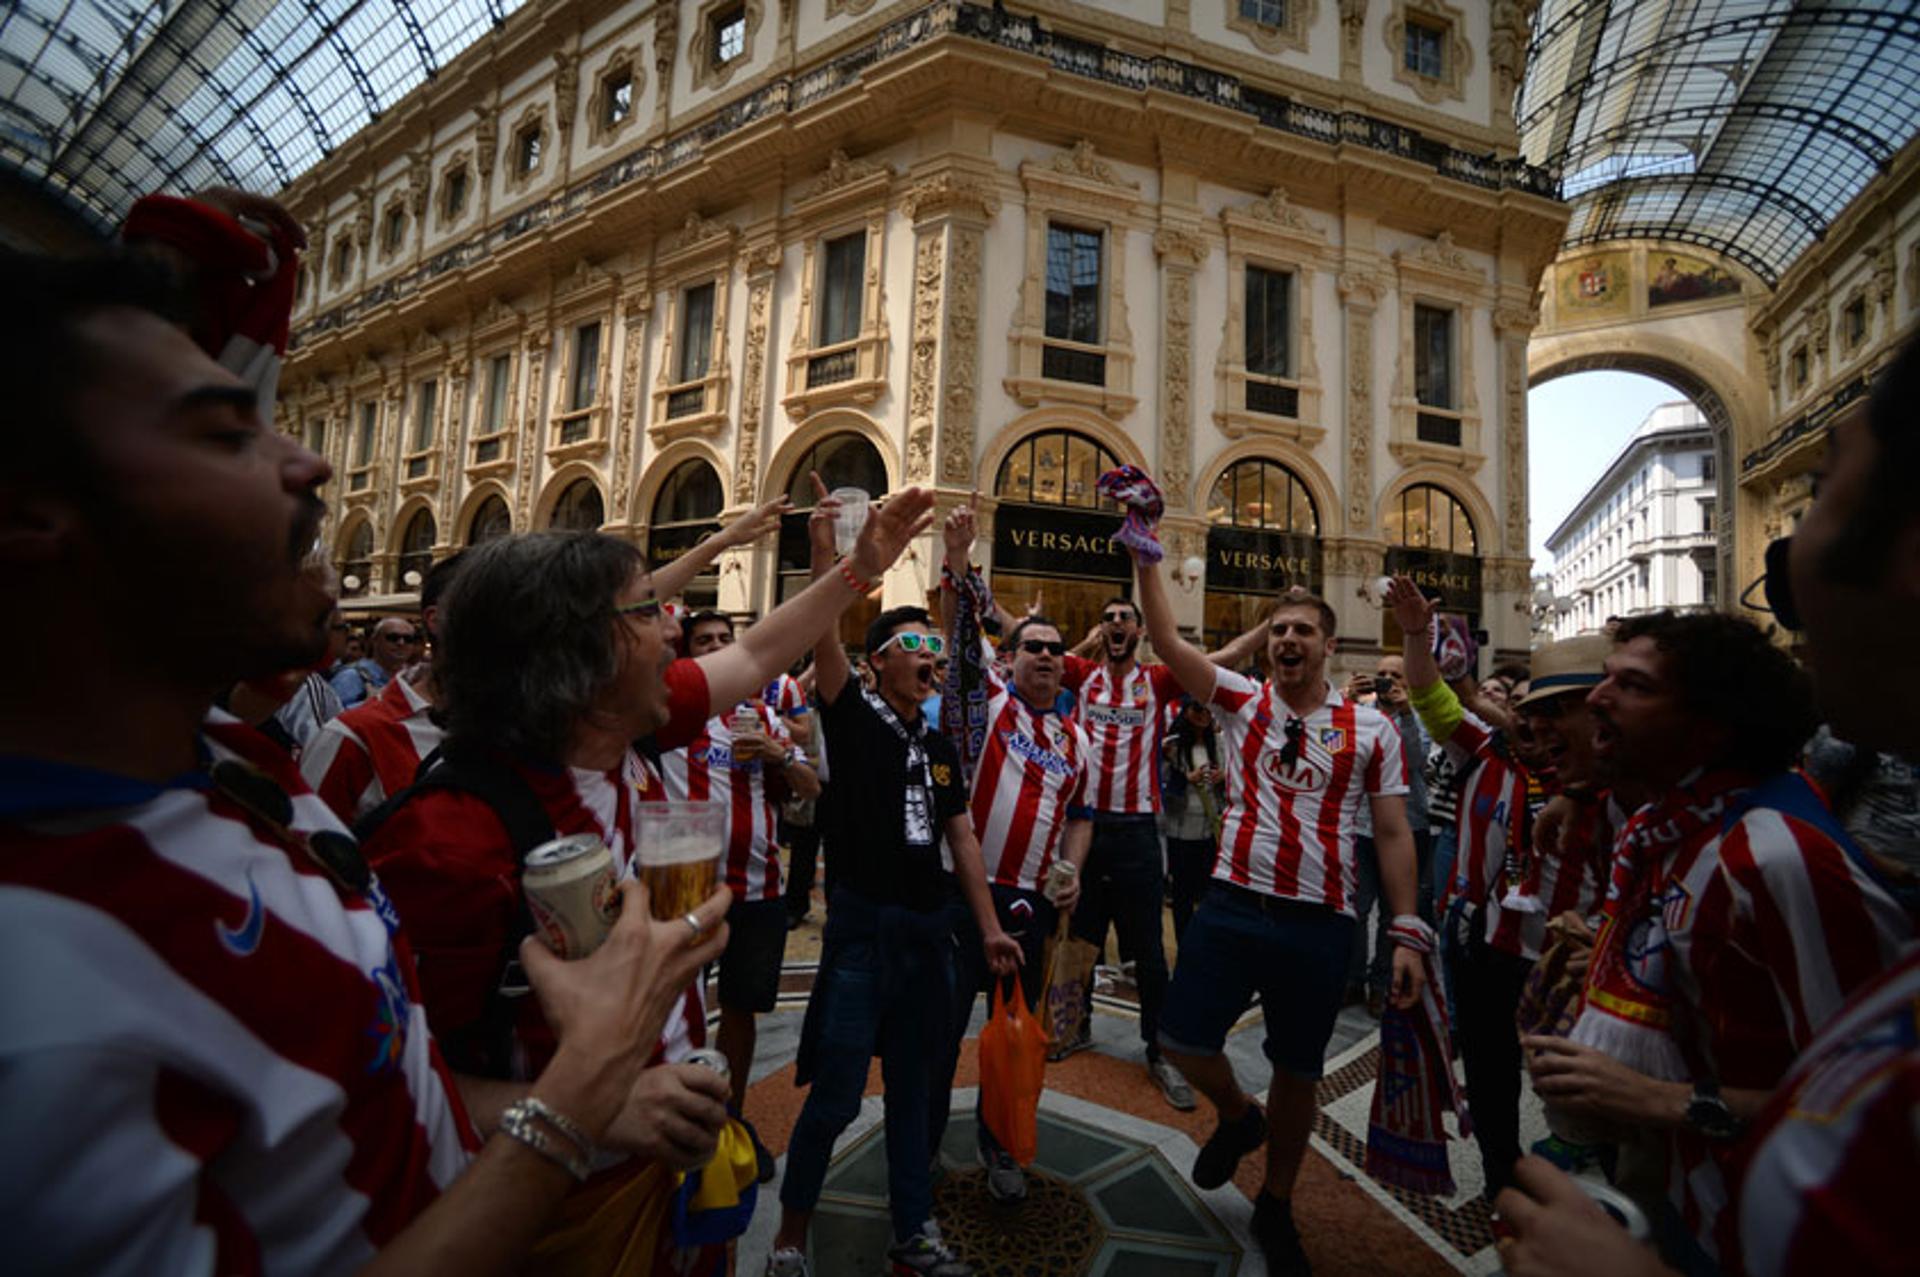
(950,212)
(1361,292)
(1514,325)
(1181,250)
(763,260)
(538,341)
(635,307)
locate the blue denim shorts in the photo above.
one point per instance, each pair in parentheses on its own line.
(1239,943)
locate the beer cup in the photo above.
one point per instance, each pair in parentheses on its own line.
(677,853)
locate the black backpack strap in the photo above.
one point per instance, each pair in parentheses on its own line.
(486,1049)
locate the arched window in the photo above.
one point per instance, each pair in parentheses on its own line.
(1429,518)
(1430,537)
(686,510)
(1256,493)
(1057,467)
(1051,530)
(356,565)
(1264,540)
(491,520)
(579,509)
(844,460)
(416,550)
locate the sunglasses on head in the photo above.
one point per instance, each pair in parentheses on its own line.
(1296,735)
(645,609)
(932,644)
(1033,647)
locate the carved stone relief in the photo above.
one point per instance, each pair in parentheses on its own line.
(538,341)
(1513,483)
(635,309)
(1362,294)
(961,417)
(923,360)
(1180,251)
(952,193)
(753,389)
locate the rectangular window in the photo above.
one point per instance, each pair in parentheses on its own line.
(1706,516)
(1710,583)
(1268,13)
(1433,356)
(729,34)
(1706,467)
(395,235)
(1854,322)
(424,396)
(527,150)
(363,446)
(456,194)
(842,277)
(1073,284)
(696,332)
(493,418)
(1269,298)
(586,367)
(317,437)
(1425,51)
(1797,369)
(616,99)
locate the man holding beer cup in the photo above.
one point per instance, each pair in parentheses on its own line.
(894,802)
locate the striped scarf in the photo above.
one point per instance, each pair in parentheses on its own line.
(1137,493)
(1406,1132)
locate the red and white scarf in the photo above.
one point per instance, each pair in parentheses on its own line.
(1415,1087)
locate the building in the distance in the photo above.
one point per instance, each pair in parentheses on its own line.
(1642,538)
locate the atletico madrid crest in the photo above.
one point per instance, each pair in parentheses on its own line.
(1333,739)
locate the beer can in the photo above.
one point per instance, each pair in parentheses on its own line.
(1060,876)
(571,893)
(711,1058)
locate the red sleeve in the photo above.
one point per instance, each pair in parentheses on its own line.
(1078,667)
(445,862)
(687,705)
(1165,686)
(346,778)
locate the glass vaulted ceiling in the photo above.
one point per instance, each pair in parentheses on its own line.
(1745,126)
(107,100)
(1741,125)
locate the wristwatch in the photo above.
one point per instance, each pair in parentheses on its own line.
(1708,1114)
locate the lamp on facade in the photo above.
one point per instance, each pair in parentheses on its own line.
(350,583)
(1187,572)
(411,580)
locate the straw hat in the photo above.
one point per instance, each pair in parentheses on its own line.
(1571,665)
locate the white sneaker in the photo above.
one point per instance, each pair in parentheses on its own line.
(788,1262)
(1006,1182)
(925,1254)
(1171,1084)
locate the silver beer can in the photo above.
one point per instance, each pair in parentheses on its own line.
(710,1058)
(1060,876)
(571,894)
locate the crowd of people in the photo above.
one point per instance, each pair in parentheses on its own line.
(277,1003)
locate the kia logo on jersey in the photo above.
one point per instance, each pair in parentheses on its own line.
(1303,776)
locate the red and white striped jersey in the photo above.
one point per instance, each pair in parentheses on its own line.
(1288,829)
(359,758)
(1032,771)
(1759,932)
(1491,818)
(1573,879)
(1829,1185)
(452,872)
(1122,720)
(211,1060)
(706,771)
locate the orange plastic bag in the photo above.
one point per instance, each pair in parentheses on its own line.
(1013,1070)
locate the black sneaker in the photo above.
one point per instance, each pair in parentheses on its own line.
(1229,1142)
(1278,1239)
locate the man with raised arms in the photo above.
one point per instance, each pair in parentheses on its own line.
(1278,920)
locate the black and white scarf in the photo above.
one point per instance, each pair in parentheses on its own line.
(919,831)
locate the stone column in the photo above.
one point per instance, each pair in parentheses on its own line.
(1508,581)
(1181,250)
(1351,561)
(635,307)
(526,460)
(736,567)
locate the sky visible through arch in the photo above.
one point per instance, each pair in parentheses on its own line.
(1575,426)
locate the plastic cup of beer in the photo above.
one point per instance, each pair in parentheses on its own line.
(851,518)
(677,854)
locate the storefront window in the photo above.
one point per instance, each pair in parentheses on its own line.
(1430,537)
(1264,540)
(1051,530)
(686,511)
(844,460)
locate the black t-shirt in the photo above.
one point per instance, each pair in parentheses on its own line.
(863,814)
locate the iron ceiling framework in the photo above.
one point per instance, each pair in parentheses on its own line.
(1743,126)
(102,101)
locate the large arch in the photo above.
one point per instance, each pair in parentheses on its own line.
(664,463)
(556,487)
(1085,421)
(470,506)
(1731,401)
(1328,507)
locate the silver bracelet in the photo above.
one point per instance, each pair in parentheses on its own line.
(518,1122)
(561,1123)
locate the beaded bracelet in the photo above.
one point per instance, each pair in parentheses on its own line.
(561,1123)
(518,1121)
(848,575)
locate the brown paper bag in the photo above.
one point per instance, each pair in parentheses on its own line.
(1069,966)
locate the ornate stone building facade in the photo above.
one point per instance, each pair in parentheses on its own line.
(640,266)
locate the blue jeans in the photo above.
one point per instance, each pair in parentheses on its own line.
(880,991)
(1125,886)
